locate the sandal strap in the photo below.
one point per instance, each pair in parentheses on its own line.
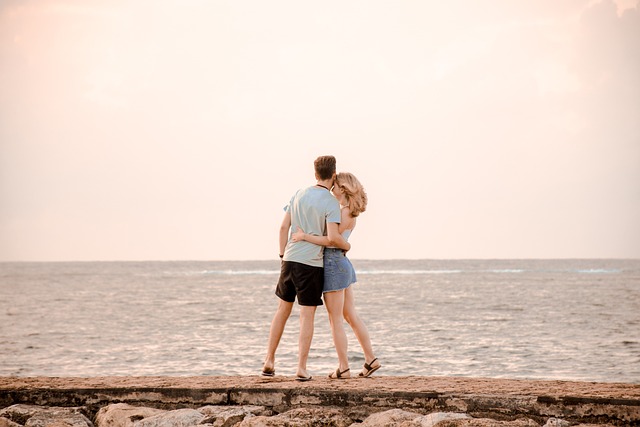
(367,366)
(339,374)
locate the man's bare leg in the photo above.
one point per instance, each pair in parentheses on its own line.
(307,315)
(275,333)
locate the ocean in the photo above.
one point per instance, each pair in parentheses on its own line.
(521,319)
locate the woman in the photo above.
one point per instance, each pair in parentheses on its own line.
(339,275)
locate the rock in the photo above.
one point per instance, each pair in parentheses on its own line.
(301,417)
(20,413)
(123,415)
(38,416)
(6,422)
(486,422)
(392,417)
(556,422)
(58,419)
(401,418)
(434,418)
(178,418)
(593,425)
(228,416)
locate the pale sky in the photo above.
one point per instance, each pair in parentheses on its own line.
(178,130)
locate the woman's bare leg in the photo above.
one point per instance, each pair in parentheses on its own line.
(357,324)
(335,303)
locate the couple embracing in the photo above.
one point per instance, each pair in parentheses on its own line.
(313,246)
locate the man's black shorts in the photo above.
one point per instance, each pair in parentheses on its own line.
(301,280)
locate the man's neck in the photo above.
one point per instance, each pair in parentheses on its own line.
(325,184)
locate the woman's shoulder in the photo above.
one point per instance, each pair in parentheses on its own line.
(348,220)
(345,211)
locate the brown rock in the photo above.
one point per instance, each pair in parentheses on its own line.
(556,422)
(62,418)
(123,415)
(38,416)
(392,417)
(19,413)
(401,418)
(487,422)
(178,418)
(301,417)
(436,418)
(6,422)
(225,416)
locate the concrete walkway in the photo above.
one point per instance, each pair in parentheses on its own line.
(585,402)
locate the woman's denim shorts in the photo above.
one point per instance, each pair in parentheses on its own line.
(338,271)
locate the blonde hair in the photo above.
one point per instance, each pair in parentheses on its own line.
(353,191)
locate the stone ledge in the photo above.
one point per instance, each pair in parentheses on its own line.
(584,402)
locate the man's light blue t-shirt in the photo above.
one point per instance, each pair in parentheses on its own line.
(311,209)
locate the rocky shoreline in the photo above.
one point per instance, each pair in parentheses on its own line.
(282,401)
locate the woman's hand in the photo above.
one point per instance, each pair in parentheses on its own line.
(298,236)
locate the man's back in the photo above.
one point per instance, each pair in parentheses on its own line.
(310,208)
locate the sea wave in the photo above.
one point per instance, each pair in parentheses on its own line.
(403,272)
(373,272)
(242,272)
(599,271)
(410,272)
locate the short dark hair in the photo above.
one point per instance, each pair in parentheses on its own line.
(325,167)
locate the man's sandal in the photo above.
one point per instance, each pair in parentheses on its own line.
(268,372)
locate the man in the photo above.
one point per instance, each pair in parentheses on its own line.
(315,211)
